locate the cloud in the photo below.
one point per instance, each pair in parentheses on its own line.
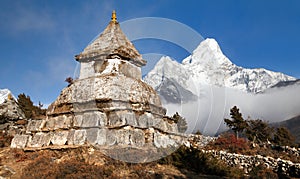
(208,113)
(19,17)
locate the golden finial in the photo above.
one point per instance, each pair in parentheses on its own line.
(114,16)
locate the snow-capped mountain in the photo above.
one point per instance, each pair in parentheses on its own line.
(208,65)
(287,83)
(4,94)
(207,84)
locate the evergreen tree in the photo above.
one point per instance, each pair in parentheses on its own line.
(28,108)
(258,131)
(283,137)
(26,105)
(198,132)
(237,124)
(181,122)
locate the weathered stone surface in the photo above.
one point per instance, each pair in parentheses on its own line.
(63,122)
(19,141)
(145,119)
(111,137)
(112,42)
(102,137)
(40,140)
(172,127)
(93,119)
(123,137)
(121,118)
(118,88)
(137,138)
(79,137)
(59,137)
(50,123)
(70,137)
(35,125)
(11,110)
(162,140)
(134,137)
(77,122)
(162,125)
(92,135)
(89,121)
(154,122)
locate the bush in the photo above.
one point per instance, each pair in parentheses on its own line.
(262,171)
(47,167)
(230,143)
(199,162)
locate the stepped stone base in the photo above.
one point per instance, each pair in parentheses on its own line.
(94,127)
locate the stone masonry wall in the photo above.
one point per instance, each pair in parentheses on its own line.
(97,128)
(248,162)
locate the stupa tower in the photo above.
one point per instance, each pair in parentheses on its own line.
(109,106)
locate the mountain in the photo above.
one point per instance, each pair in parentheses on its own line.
(287,83)
(206,84)
(293,125)
(208,65)
(4,95)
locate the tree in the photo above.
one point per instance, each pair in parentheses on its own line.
(30,110)
(283,137)
(26,105)
(258,131)
(181,122)
(237,124)
(198,132)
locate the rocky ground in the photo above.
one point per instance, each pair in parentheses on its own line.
(80,163)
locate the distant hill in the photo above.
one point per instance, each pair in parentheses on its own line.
(293,125)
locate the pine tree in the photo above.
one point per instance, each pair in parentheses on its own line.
(181,122)
(258,131)
(28,108)
(283,137)
(237,124)
(26,105)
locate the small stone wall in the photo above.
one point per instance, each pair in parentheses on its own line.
(248,162)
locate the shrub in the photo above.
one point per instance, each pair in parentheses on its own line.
(199,162)
(47,167)
(261,171)
(230,143)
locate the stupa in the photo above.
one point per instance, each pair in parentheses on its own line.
(107,106)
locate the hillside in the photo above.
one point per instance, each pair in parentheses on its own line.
(293,125)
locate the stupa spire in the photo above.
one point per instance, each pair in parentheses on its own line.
(114,16)
(112,41)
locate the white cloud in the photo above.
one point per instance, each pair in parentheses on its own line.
(208,113)
(20,18)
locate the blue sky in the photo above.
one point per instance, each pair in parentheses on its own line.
(38,39)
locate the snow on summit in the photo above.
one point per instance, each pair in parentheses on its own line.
(207,84)
(208,65)
(3,95)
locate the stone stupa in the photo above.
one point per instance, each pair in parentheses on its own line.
(108,106)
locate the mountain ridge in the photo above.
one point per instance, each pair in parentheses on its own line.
(208,65)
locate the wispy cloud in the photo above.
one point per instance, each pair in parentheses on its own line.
(19,18)
(208,113)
